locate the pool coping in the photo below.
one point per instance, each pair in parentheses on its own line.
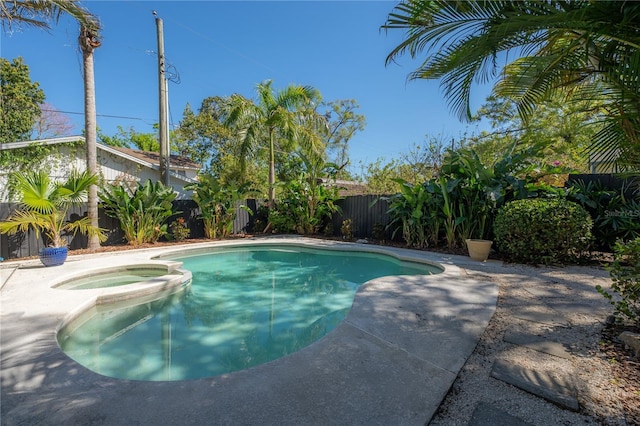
(391,361)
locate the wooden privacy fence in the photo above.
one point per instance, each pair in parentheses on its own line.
(359,209)
(365,212)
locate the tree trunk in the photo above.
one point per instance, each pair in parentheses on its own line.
(272,171)
(88,42)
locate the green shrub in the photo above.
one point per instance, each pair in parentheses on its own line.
(379,231)
(141,211)
(625,273)
(347,229)
(282,219)
(304,207)
(218,204)
(178,230)
(615,214)
(547,231)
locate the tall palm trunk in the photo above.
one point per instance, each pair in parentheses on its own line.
(272,169)
(88,43)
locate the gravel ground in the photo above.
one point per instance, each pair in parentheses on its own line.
(606,377)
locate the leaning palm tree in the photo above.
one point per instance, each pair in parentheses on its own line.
(286,115)
(40,13)
(580,49)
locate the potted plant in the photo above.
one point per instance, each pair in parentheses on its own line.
(43,207)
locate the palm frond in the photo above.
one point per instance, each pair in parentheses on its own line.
(36,191)
(572,48)
(40,13)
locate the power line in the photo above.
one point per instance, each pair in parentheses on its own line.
(99,115)
(220,45)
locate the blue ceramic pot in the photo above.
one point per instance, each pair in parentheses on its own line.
(53,256)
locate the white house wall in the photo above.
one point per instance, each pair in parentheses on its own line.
(113,169)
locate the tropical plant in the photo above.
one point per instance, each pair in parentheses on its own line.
(461,202)
(218,204)
(450,219)
(585,50)
(285,117)
(142,212)
(44,205)
(615,214)
(346,229)
(305,206)
(473,191)
(547,231)
(39,14)
(407,213)
(625,275)
(179,230)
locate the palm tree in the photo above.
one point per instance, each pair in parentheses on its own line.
(39,13)
(584,50)
(44,205)
(89,41)
(288,115)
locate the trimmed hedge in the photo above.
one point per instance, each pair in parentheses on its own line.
(542,231)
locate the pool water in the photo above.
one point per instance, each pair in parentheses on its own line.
(111,279)
(245,306)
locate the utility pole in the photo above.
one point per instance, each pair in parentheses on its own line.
(163,102)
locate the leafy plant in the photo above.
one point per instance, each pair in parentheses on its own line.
(347,229)
(451,221)
(305,206)
(625,275)
(615,216)
(44,205)
(218,204)
(406,211)
(546,231)
(379,231)
(461,202)
(142,212)
(179,230)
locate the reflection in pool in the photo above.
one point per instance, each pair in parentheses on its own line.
(246,306)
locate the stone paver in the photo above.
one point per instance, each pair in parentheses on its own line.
(552,387)
(537,343)
(536,314)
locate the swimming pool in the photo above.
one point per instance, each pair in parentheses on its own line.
(246,306)
(111,278)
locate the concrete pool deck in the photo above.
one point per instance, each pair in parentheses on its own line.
(391,361)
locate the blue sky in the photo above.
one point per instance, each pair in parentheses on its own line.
(220,48)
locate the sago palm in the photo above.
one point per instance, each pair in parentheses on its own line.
(44,204)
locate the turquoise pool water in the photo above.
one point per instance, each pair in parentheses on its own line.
(245,306)
(111,279)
